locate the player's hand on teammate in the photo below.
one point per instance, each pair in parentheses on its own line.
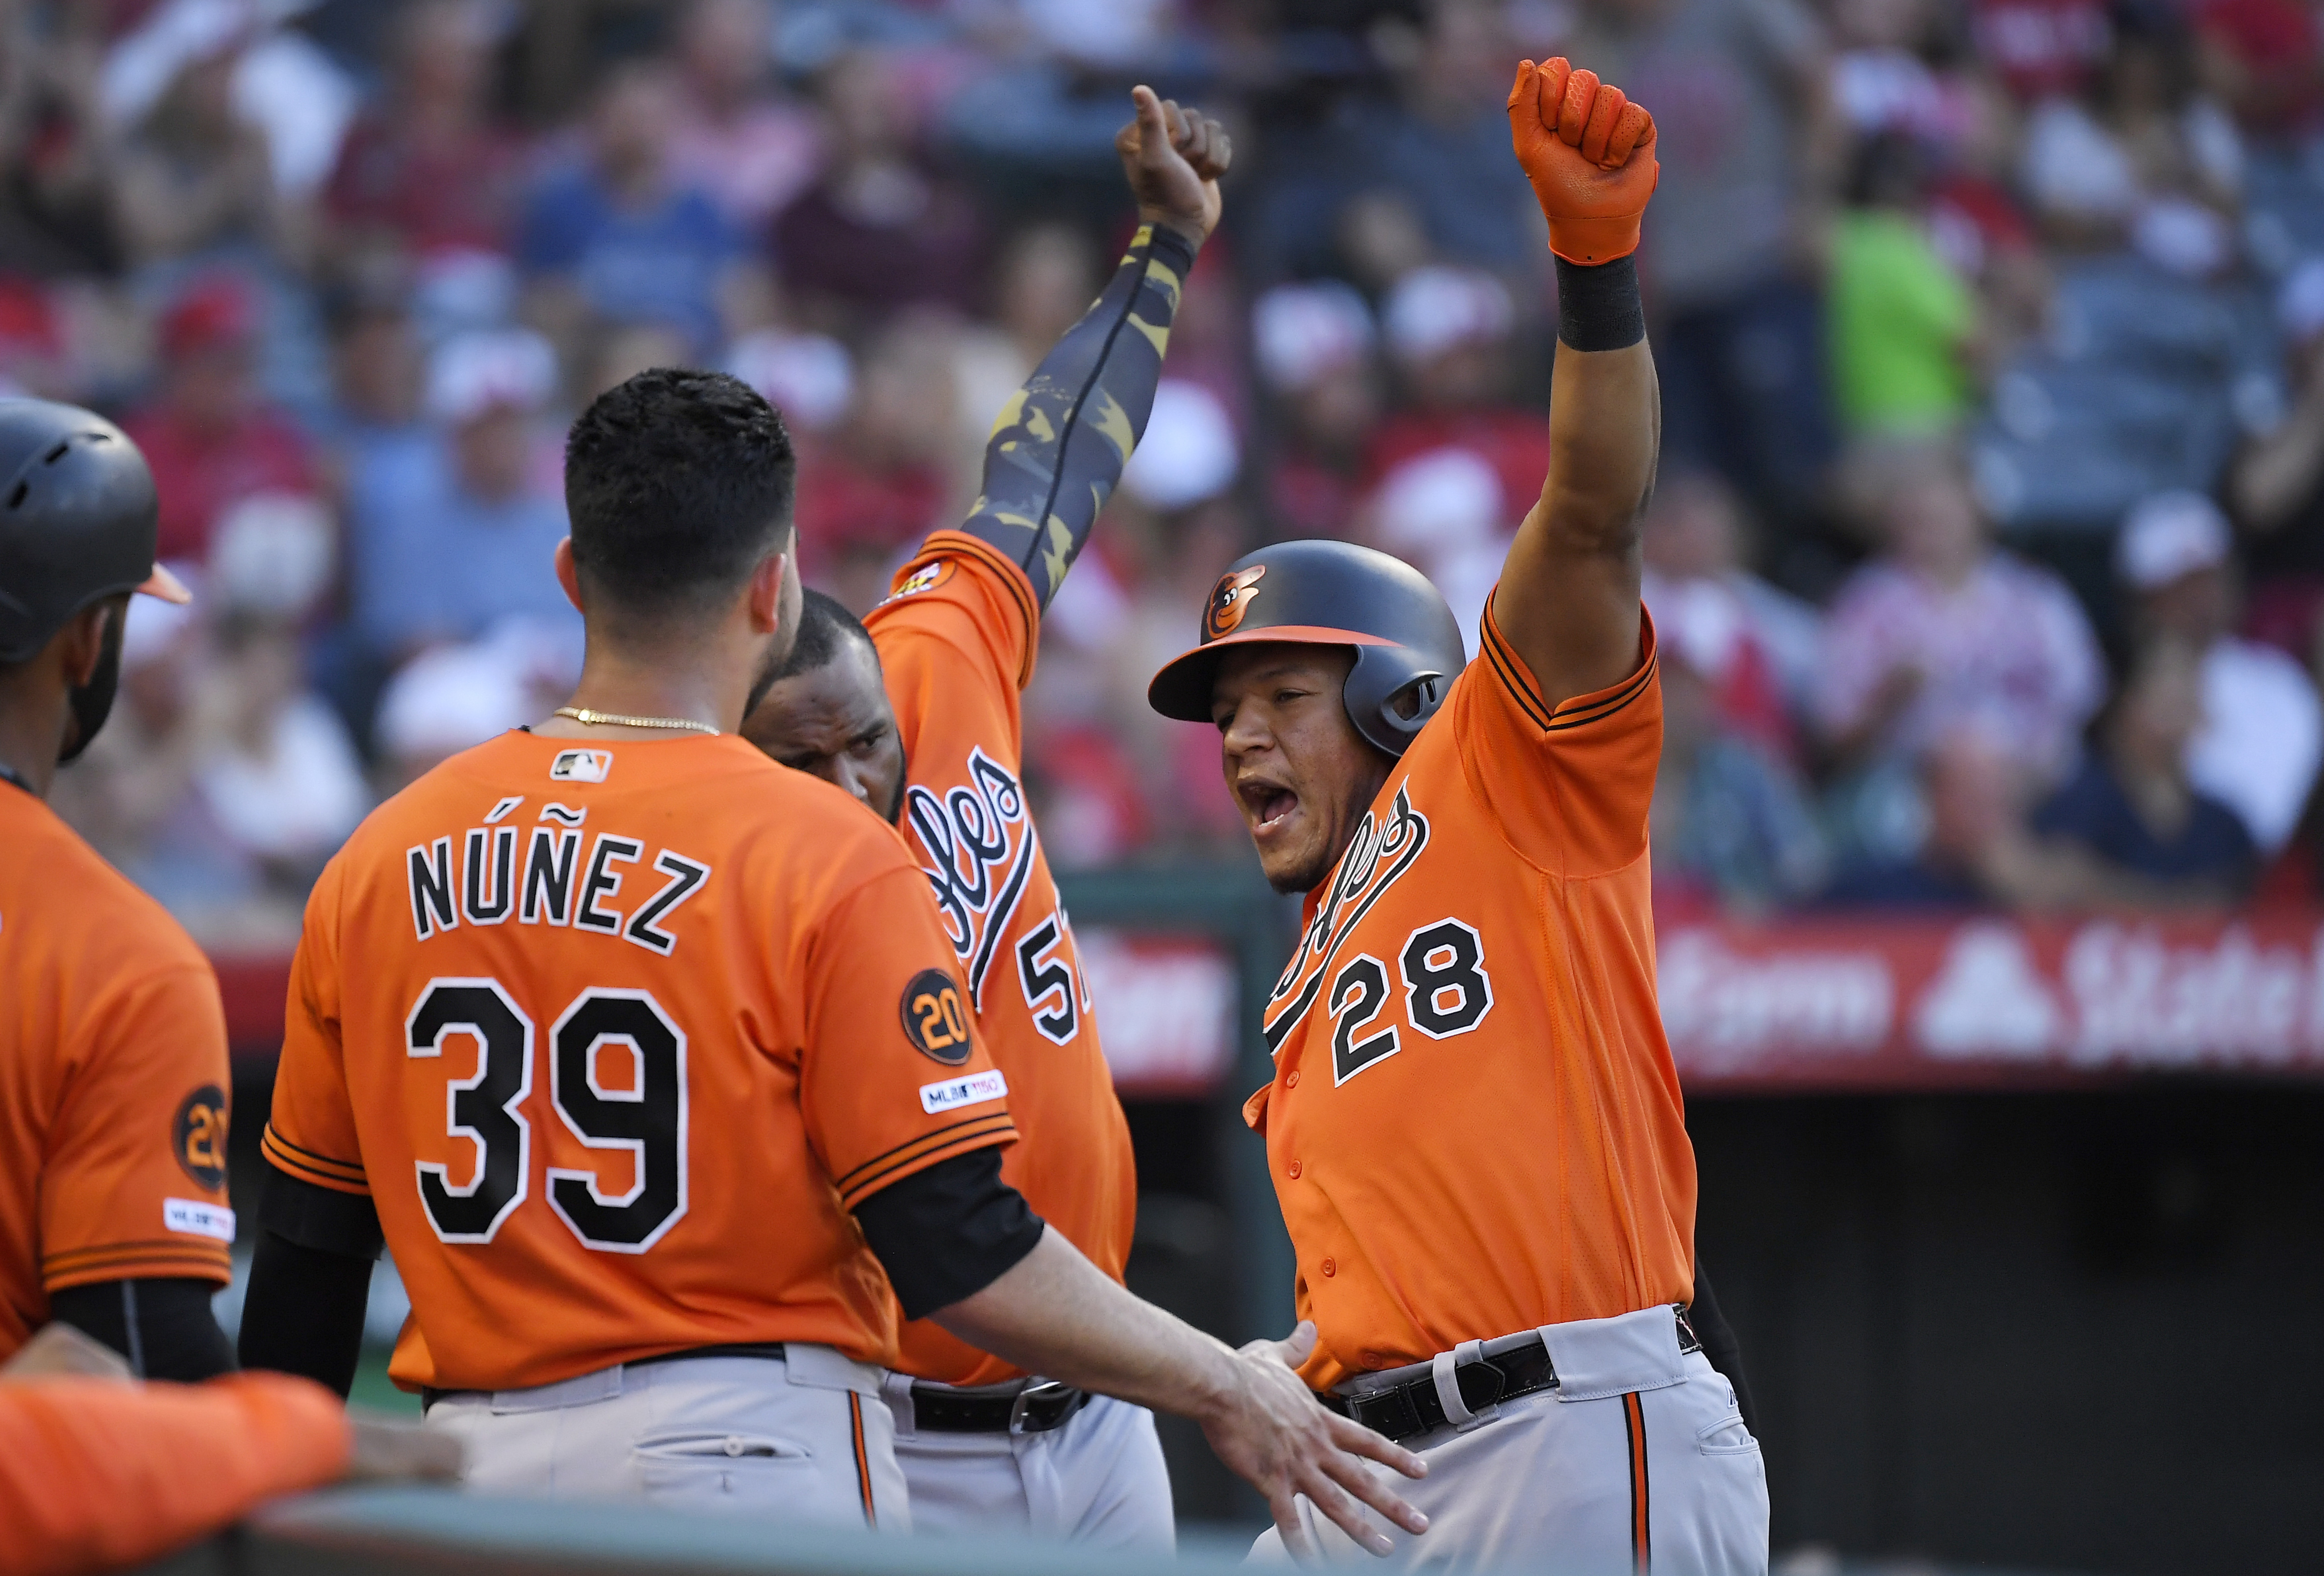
(1282,1441)
(58,1351)
(1590,153)
(1173,158)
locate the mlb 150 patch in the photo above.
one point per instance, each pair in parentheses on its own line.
(968,1088)
(197,1219)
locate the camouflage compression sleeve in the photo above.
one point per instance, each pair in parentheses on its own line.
(1060,443)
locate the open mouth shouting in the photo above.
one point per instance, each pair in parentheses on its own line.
(1268,806)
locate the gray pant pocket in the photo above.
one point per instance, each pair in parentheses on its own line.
(707,1470)
(1726,1437)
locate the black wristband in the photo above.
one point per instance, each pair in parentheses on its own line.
(1173,247)
(1598,308)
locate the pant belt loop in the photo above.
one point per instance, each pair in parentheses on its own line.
(896,1389)
(1442,1369)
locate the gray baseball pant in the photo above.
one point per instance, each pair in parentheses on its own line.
(1098,1481)
(802,1437)
(1638,1461)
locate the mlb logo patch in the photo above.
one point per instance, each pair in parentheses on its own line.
(581,765)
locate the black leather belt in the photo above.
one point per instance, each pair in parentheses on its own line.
(1035,1409)
(768,1350)
(1508,1367)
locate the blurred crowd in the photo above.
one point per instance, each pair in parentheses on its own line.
(1986,557)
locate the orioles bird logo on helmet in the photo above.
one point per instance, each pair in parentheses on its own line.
(1231,598)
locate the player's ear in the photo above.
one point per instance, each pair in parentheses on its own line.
(82,641)
(768,590)
(568,574)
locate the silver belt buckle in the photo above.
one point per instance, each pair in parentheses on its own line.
(1023,1401)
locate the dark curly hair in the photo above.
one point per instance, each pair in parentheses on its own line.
(677,483)
(825,626)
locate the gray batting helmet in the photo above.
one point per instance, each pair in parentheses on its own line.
(1329,594)
(78,521)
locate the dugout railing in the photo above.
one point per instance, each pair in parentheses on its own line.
(397,1532)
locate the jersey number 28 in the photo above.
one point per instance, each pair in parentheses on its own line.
(1447,992)
(647,1118)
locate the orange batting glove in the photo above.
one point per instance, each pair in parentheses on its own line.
(1590,153)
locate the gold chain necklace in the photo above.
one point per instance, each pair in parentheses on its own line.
(589,718)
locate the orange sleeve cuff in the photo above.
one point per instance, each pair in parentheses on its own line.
(155,1258)
(1575,711)
(917,1155)
(306,1166)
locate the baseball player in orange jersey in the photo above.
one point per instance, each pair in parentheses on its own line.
(646,1056)
(113,1055)
(1474,1127)
(939,751)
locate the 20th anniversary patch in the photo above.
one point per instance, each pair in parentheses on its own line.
(199,1136)
(934,1018)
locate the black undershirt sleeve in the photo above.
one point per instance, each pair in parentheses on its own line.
(949,1231)
(164,1327)
(1061,442)
(309,1281)
(305,1312)
(1719,1343)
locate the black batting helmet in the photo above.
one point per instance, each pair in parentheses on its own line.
(1329,594)
(78,521)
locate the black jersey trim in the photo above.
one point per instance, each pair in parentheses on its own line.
(1566,715)
(1505,664)
(932,1133)
(1599,711)
(997,1127)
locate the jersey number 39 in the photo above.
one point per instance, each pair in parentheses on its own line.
(647,1118)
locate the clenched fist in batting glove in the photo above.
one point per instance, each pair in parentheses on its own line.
(1590,153)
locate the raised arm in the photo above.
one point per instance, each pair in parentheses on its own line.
(1061,441)
(1568,601)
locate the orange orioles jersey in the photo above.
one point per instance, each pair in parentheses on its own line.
(113,1079)
(614,1037)
(956,642)
(1474,1126)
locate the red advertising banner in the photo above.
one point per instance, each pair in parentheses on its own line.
(1854,1003)
(1166,1010)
